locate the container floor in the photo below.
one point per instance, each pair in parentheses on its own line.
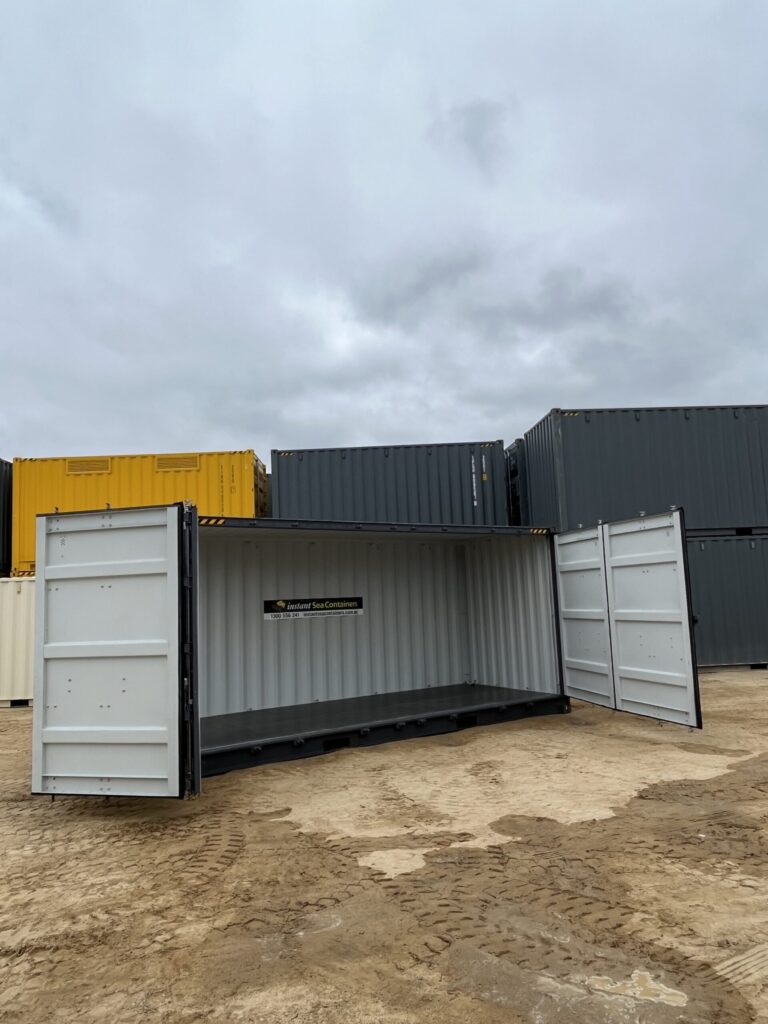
(276,734)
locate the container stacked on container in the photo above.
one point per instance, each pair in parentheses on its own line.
(460,484)
(580,466)
(217,483)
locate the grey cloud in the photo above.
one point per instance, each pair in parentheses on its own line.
(347,226)
(488,294)
(406,290)
(563,299)
(478,129)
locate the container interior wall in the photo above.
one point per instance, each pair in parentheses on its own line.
(729,598)
(436,612)
(17,635)
(217,483)
(511,614)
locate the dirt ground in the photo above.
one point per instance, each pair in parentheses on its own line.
(579,869)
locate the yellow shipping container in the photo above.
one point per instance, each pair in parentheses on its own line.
(218,483)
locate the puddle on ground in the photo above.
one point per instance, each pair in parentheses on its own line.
(640,986)
(394,862)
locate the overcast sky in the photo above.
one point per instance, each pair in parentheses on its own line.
(281,224)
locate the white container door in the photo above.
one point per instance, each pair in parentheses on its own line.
(654,669)
(585,639)
(113,710)
(646,632)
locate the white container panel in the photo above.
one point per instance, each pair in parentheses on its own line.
(107,688)
(17,638)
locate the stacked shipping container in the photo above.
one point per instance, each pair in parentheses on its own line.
(573,468)
(218,483)
(580,466)
(589,464)
(440,484)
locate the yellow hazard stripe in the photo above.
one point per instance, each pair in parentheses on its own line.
(208,521)
(538,531)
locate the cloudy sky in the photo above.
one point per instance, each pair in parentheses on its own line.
(280,223)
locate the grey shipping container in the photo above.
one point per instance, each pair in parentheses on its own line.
(586,465)
(6,478)
(729,598)
(446,484)
(170,648)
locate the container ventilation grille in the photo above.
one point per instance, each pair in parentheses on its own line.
(89,465)
(169,462)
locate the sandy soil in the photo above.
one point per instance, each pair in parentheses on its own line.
(586,868)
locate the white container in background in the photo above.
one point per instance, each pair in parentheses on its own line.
(17,638)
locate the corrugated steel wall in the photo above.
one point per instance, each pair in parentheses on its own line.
(512,614)
(416,631)
(586,465)
(729,596)
(218,483)
(6,477)
(17,638)
(542,461)
(455,484)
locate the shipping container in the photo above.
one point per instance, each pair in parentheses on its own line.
(6,478)
(729,595)
(587,465)
(17,633)
(217,483)
(169,648)
(451,484)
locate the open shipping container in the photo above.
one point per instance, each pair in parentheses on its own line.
(169,648)
(217,483)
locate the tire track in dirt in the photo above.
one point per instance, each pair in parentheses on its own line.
(181,910)
(507,901)
(102,867)
(749,968)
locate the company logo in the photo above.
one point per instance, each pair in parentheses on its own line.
(312,607)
